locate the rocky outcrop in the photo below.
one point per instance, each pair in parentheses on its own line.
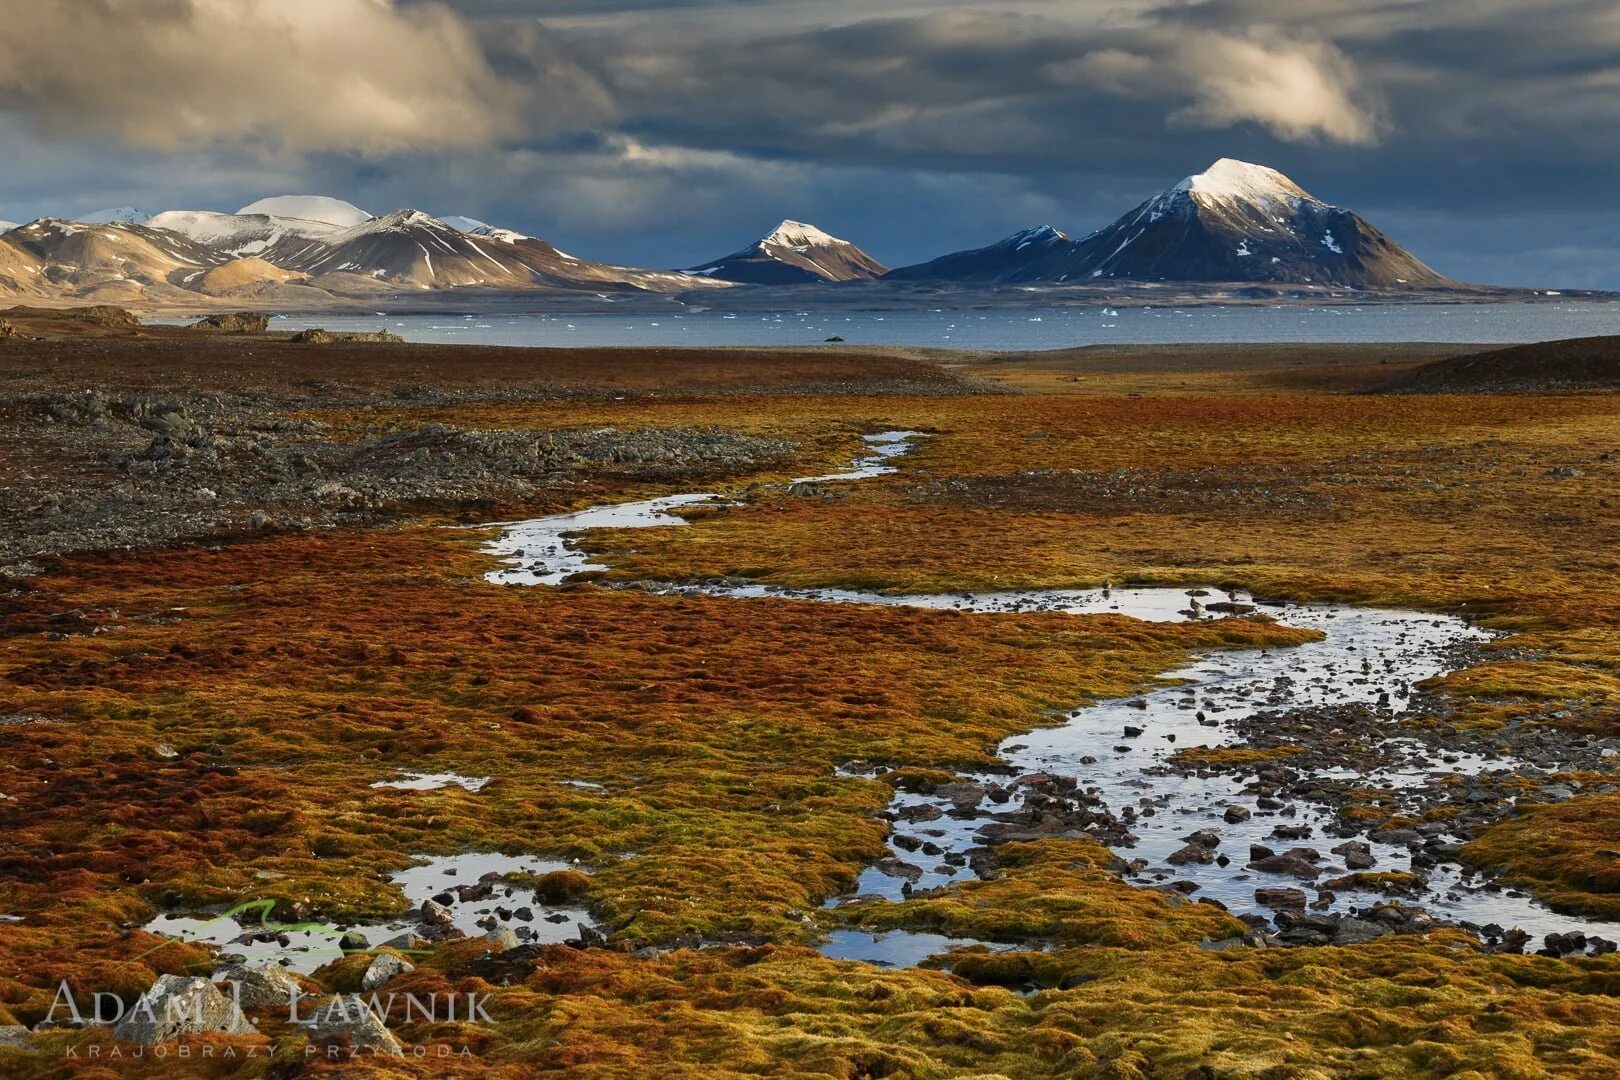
(236,322)
(317,336)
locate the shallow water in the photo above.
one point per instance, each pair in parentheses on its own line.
(1366,655)
(310,946)
(415,781)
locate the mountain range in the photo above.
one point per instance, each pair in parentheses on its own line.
(1233,223)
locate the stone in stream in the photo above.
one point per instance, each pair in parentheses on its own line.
(1236,815)
(176,1006)
(893,867)
(1280,899)
(1357,855)
(1297,862)
(1192,853)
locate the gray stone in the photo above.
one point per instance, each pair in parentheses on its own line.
(346,1020)
(503,937)
(384,967)
(176,1006)
(261,986)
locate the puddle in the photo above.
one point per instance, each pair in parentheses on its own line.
(896,948)
(415,781)
(1119,751)
(306,947)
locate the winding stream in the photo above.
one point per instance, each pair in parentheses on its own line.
(1120,752)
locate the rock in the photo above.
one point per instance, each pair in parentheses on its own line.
(353,941)
(503,938)
(1208,838)
(1280,898)
(317,336)
(1236,815)
(1357,855)
(236,322)
(1292,862)
(383,968)
(1192,853)
(899,868)
(1406,837)
(346,1020)
(436,914)
(260,986)
(1353,931)
(176,1006)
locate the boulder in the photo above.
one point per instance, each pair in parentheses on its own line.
(383,968)
(1281,899)
(346,1020)
(260,986)
(176,1006)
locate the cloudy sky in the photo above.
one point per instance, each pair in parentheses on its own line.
(1484,134)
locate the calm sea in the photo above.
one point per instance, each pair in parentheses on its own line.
(1029,328)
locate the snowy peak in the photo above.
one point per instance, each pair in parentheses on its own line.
(798,234)
(321,208)
(1230,180)
(794,253)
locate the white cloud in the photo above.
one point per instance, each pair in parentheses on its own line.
(300,75)
(1297,89)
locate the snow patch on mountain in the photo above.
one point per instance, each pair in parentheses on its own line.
(239,234)
(1241,181)
(320,208)
(798,235)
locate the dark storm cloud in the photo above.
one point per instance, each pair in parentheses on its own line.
(1481,132)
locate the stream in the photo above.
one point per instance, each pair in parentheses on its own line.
(1190,831)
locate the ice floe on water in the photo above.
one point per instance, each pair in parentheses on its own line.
(1244,838)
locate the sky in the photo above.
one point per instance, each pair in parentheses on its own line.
(1482,134)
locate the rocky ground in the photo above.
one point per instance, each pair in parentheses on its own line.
(150,470)
(123,436)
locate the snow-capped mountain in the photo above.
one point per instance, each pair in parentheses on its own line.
(793,253)
(7,226)
(1233,222)
(1001,261)
(297,250)
(126,214)
(322,208)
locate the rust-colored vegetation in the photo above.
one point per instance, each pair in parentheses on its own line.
(290,673)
